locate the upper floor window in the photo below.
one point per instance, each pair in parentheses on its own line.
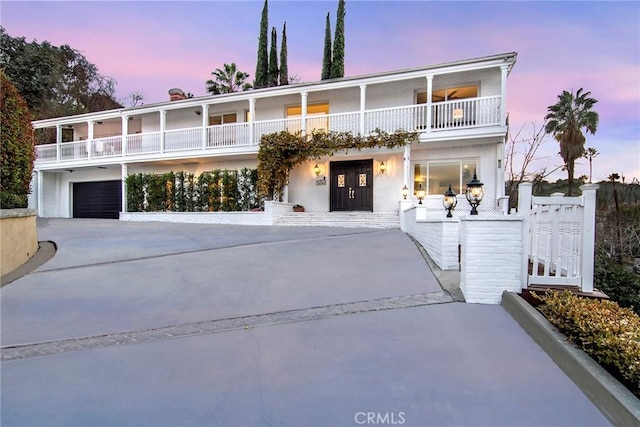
(316,117)
(222,119)
(448,94)
(436,176)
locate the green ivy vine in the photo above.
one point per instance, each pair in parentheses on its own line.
(280,152)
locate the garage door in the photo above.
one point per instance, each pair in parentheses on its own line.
(101,199)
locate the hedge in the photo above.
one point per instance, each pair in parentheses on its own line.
(219,190)
(607,332)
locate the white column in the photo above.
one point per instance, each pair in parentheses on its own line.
(205,124)
(58,141)
(124,171)
(40,194)
(363,104)
(303,114)
(503,93)
(588,235)
(252,119)
(90,124)
(524,210)
(407,164)
(429,102)
(163,127)
(125,132)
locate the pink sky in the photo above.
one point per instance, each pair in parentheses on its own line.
(152,46)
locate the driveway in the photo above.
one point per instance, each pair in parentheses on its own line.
(178,324)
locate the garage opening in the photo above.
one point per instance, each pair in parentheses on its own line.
(101,199)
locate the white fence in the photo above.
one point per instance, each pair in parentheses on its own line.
(559,237)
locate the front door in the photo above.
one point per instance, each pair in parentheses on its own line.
(352,186)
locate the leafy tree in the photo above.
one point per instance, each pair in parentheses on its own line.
(337,57)
(565,121)
(17,151)
(228,79)
(284,68)
(326,56)
(274,73)
(55,81)
(262,65)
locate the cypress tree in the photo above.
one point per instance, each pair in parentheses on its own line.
(273,60)
(326,56)
(284,68)
(337,59)
(262,65)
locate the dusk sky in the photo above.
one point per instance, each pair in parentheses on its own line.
(150,47)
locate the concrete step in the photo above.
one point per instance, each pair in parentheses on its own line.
(382,220)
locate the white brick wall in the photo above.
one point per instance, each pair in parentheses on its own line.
(491,257)
(439,237)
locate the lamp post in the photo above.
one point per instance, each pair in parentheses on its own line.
(405,192)
(420,194)
(450,201)
(474,193)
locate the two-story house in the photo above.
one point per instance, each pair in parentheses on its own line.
(458,108)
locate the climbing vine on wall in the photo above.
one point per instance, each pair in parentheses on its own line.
(280,152)
(219,190)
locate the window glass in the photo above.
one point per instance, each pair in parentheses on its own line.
(448,94)
(316,117)
(435,177)
(221,119)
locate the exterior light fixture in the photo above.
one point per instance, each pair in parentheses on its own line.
(317,170)
(420,194)
(382,168)
(474,193)
(450,201)
(405,192)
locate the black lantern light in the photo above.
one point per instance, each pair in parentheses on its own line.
(405,192)
(474,193)
(450,201)
(420,194)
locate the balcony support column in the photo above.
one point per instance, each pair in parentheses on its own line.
(163,128)
(429,102)
(90,124)
(406,169)
(363,104)
(303,113)
(125,132)
(58,141)
(503,92)
(252,115)
(124,173)
(205,123)
(40,193)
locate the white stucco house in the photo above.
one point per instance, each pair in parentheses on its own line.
(458,108)
(459,111)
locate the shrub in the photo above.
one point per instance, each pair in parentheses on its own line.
(17,147)
(607,332)
(620,284)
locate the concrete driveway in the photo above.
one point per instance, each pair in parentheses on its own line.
(174,324)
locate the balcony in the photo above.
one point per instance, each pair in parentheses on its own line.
(458,115)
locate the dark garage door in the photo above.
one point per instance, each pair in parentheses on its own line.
(101,199)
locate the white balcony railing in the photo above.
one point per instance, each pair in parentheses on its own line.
(444,116)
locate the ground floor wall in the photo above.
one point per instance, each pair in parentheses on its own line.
(18,238)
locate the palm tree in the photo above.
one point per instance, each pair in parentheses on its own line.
(565,121)
(589,154)
(228,80)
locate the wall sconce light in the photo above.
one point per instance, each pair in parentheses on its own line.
(317,170)
(382,168)
(474,193)
(420,194)
(198,112)
(99,123)
(450,201)
(405,192)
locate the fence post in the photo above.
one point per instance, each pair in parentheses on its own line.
(588,235)
(524,209)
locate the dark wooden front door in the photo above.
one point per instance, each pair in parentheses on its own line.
(352,186)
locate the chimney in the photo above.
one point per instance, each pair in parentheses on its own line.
(176,94)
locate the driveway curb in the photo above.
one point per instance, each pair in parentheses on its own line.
(614,400)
